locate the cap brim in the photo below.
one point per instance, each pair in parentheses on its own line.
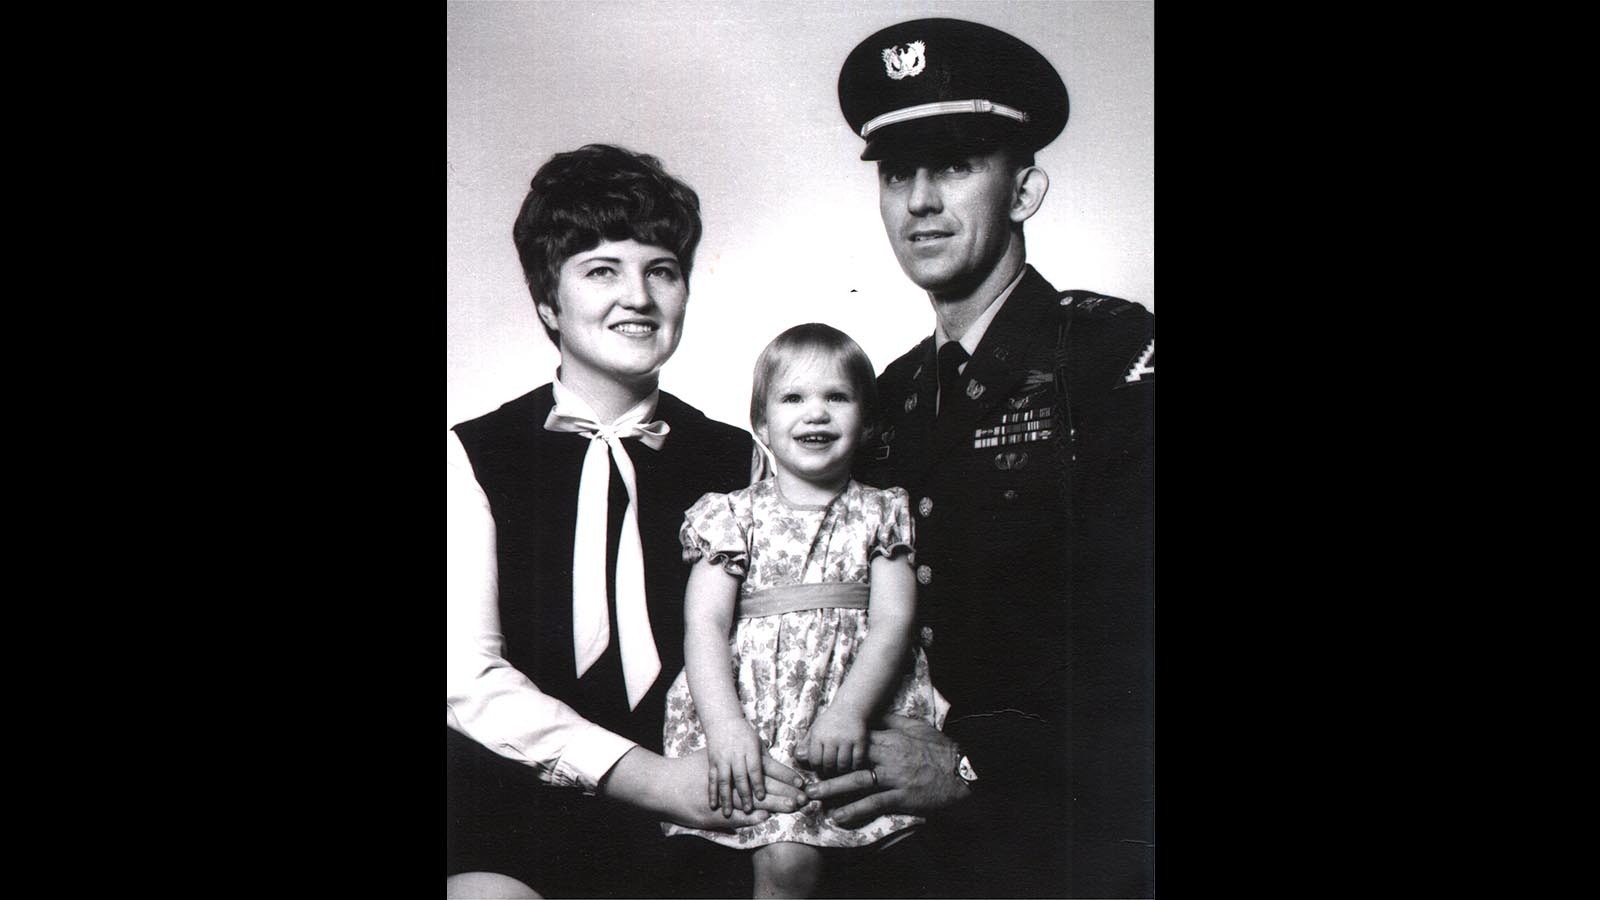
(941,135)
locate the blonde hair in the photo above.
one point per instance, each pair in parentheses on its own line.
(814,339)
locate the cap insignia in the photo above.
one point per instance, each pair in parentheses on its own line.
(904,62)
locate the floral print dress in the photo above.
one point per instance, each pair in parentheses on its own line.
(792,644)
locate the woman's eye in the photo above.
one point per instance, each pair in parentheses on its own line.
(838,397)
(601,272)
(789,398)
(667,273)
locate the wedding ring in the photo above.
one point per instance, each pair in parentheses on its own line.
(874,774)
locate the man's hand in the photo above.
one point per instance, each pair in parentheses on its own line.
(915,768)
(675,790)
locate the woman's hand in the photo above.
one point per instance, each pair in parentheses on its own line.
(836,743)
(734,776)
(674,790)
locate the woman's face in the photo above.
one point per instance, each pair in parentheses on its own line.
(621,311)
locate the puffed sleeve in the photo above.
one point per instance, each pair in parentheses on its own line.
(713,528)
(895,531)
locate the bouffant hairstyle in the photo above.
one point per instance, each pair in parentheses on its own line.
(597,193)
(803,342)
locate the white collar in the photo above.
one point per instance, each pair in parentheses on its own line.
(974,332)
(574,402)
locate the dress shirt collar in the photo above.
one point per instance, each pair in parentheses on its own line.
(975,331)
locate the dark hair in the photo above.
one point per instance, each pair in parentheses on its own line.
(815,338)
(600,193)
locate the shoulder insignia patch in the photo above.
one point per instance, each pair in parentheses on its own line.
(1143,368)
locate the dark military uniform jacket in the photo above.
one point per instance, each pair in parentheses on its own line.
(1032,495)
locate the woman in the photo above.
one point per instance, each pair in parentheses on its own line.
(565,580)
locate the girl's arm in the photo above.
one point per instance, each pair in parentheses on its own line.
(838,738)
(733,751)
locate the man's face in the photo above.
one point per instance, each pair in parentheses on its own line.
(947,217)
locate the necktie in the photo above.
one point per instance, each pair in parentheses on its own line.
(951,357)
(591,626)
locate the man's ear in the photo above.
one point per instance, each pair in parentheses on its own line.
(1029,186)
(547,315)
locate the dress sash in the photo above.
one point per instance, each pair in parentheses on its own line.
(794,597)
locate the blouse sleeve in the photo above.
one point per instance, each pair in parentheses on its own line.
(895,531)
(713,528)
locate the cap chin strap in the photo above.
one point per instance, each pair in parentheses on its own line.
(941,108)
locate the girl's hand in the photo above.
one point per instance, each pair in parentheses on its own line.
(837,742)
(734,775)
(674,790)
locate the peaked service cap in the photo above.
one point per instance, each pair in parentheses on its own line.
(949,85)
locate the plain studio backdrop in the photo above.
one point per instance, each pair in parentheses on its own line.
(740,101)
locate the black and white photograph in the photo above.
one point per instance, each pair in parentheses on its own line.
(800,449)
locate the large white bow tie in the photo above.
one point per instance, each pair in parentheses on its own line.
(591,625)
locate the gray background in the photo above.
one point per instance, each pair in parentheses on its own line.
(739,100)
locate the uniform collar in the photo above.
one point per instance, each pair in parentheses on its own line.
(1009,341)
(974,333)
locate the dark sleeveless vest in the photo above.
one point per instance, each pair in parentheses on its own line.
(530,476)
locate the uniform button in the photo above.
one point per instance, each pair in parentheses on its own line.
(925,506)
(1010,495)
(911,403)
(927,636)
(924,574)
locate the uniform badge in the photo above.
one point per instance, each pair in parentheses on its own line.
(974,389)
(1032,388)
(1009,462)
(911,403)
(1143,368)
(925,506)
(882,452)
(904,62)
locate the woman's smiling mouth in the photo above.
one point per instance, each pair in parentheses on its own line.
(634,329)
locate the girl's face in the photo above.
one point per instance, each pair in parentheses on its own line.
(814,420)
(621,312)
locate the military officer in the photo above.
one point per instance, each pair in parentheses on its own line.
(1022,429)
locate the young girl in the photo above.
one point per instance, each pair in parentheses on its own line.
(810,573)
